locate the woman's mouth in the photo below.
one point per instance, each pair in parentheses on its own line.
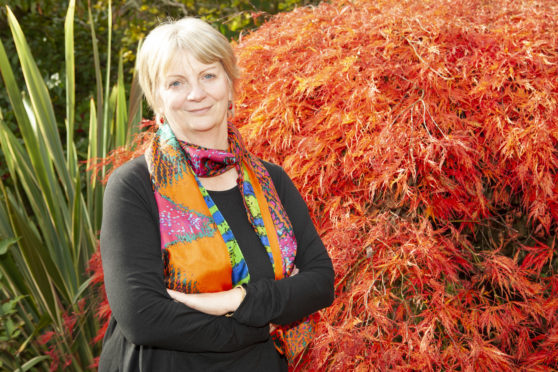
(199,111)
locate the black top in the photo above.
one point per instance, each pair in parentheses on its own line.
(148,331)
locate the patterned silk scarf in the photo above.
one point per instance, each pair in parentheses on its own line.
(200,252)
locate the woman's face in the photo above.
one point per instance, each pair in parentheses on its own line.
(195,98)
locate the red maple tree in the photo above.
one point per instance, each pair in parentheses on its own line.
(423,135)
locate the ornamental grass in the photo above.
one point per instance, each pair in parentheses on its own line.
(423,136)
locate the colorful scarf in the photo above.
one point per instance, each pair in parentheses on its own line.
(200,252)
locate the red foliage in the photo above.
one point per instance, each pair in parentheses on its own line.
(120,156)
(423,136)
(59,358)
(103,309)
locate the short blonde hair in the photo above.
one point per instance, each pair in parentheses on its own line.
(188,34)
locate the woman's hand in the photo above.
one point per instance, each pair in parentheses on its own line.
(294,272)
(217,303)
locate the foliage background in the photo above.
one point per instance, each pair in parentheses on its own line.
(423,136)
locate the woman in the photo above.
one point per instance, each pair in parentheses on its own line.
(200,239)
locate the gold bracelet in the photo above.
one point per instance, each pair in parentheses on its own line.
(243,290)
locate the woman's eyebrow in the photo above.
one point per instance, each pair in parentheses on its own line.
(208,68)
(172,75)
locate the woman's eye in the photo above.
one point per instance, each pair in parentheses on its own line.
(208,76)
(174,84)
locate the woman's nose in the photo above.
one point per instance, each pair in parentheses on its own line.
(196,93)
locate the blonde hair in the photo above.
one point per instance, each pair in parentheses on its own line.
(188,34)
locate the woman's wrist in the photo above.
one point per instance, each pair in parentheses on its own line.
(242,293)
(239,293)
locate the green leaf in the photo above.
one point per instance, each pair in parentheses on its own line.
(5,244)
(38,265)
(107,112)
(135,105)
(9,307)
(121,107)
(51,248)
(70,88)
(40,100)
(32,363)
(40,325)
(82,289)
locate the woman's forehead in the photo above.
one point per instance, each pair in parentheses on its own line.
(182,62)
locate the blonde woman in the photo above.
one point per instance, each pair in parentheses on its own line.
(209,253)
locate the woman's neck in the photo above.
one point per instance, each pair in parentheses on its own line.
(216,140)
(222,182)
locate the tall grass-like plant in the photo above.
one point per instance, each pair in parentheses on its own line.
(50,212)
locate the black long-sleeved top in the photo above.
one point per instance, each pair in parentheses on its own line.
(148,331)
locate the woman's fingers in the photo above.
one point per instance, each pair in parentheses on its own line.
(295,271)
